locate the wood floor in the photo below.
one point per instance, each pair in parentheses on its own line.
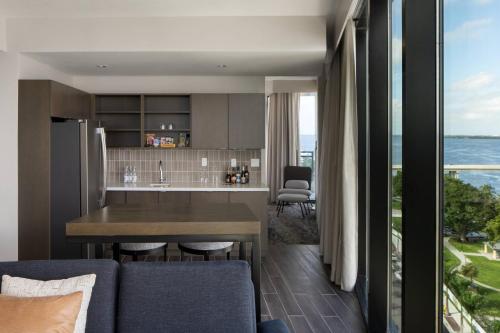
(295,288)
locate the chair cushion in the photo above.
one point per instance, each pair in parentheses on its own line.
(101,311)
(295,191)
(140,246)
(207,246)
(179,297)
(289,197)
(298,184)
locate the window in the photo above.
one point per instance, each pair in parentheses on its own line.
(471,73)
(307,133)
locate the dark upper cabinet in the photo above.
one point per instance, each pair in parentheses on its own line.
(246,121)
(209,121)
(67,102)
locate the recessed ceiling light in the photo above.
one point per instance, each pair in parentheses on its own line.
(102,66)
(222,65)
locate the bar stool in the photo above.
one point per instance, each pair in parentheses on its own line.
(142,249)
(206,249)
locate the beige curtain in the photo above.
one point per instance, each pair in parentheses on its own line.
(282,138)
(337,192)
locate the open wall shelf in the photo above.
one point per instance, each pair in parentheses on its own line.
(128,117)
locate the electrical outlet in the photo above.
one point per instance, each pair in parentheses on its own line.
(233,163)
(204,161)
(255,162)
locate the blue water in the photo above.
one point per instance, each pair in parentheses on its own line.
(457,150)
(466,150)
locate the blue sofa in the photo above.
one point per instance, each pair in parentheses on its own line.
(182,297)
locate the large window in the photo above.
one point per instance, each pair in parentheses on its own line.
(471,74)
(396,163)
(307,133)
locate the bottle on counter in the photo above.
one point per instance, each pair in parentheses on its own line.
(233,176)
(246,174)
(238,175)
(228,176)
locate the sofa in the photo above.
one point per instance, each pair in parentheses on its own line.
(175,297)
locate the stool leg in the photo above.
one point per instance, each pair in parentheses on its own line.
(206,257)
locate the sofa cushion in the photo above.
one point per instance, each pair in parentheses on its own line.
(215,297)
(101,311)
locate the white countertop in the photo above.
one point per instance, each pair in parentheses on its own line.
(188,187)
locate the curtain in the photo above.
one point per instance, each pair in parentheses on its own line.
(337,209)
(283,138)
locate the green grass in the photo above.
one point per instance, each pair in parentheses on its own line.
(450,260)
(396,204)
(489,270)
(467,247)
(396,223)
(491,305)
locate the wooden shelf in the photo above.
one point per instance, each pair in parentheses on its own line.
(167,130)
(122,130)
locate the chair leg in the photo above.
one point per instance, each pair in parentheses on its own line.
(206,257)
(182,255)
(279,208)
(165,253)
(228,255)
(134,257)
(301,209)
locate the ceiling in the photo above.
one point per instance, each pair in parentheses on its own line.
(184,63)
(196,62)
(162,8)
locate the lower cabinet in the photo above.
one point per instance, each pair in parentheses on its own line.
(174,198)
(210,197)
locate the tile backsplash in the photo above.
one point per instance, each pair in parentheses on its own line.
(179,165)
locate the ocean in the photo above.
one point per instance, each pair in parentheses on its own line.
(457,150)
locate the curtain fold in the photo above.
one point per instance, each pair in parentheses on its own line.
(338,189)
(283,138)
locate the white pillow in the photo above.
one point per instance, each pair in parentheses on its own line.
(21,287)
(297,184)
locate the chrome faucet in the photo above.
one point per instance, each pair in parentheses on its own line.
(162,176)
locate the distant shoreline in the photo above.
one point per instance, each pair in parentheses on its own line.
(467,136)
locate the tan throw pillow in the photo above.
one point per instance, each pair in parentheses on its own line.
(39,314)
(21,287)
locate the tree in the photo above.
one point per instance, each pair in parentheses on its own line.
(467,208)
(472,301)
(469,270)
(397,184)
(493,229)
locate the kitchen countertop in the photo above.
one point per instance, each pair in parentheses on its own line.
(188,187)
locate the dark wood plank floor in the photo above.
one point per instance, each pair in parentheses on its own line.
(296,289)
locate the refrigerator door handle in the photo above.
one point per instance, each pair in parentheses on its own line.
(104,167)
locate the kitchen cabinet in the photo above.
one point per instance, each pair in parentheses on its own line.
(67,102)
(246,121)
(257,202)
(176,198)
(142,198)
(212,197)
(209,121)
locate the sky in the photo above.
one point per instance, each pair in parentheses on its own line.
(471,67)
(307,115)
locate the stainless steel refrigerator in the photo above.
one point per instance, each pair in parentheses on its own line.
(78,181)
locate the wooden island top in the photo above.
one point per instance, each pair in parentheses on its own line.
(166,219)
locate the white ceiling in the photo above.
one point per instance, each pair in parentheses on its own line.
(184,63)
(197,62)
(162,8)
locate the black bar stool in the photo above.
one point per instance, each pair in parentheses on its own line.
(206,249)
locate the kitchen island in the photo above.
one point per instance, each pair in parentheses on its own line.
(254,195)
(196,222)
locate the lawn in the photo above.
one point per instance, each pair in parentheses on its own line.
(491,306)
(467,247)
(396,204)
(450,260)
(489,270)
(396,223)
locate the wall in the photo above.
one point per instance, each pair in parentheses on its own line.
(180,165)
(9,64)
(14,66)
(170,84)
(3,35)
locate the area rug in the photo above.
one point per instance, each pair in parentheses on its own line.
(291,228)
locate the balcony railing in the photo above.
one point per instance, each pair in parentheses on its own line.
(307,158)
